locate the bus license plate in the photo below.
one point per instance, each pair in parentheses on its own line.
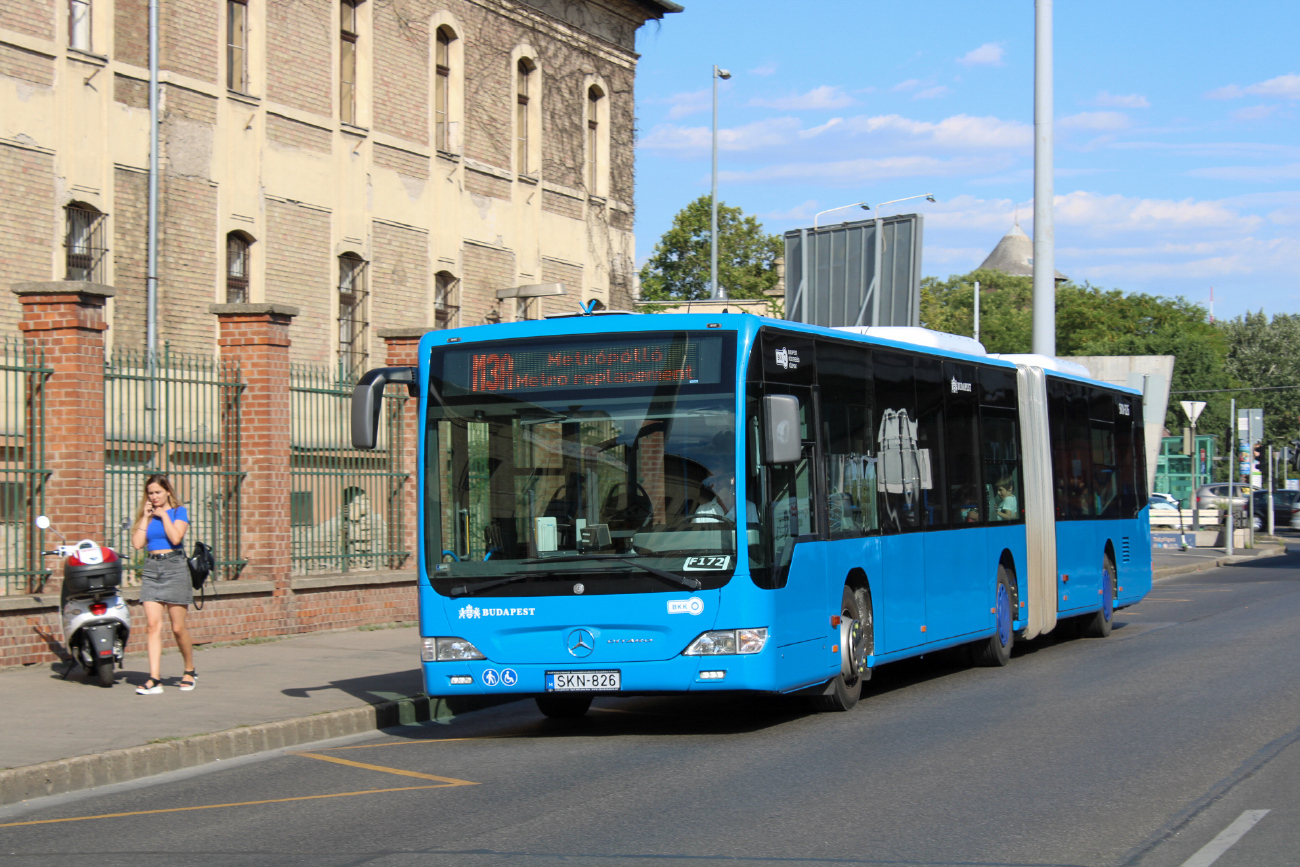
(583,681)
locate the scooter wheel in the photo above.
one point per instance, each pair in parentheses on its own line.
(104,671)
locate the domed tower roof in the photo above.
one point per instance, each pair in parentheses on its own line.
(1014,255)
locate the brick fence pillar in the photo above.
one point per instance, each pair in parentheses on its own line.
(257,337)
(65,318)
(402,345)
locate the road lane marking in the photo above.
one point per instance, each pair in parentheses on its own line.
(450,781)
(1210,852)
(235,804)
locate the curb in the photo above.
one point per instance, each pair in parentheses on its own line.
(132,763)
(1171,571)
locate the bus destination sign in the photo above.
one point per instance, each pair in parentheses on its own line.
(607,365)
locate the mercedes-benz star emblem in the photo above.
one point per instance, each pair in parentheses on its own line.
(580,643)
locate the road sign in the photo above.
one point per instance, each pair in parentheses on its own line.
(1192,408)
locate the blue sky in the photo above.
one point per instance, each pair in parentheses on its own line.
(1177,156)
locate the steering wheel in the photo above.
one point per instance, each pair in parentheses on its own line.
(627,507)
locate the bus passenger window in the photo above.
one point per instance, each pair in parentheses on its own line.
(1002,465)
(844,373)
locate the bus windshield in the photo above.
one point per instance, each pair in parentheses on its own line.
(581,465)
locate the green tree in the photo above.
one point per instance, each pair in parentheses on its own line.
(678,269)
(1266,354)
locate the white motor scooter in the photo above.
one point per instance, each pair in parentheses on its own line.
(96,622)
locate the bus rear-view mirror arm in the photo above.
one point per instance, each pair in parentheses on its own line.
(783,440)
(368,397)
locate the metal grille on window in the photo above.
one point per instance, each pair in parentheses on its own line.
(445,302)
(521,117)
(236,270)
(593,137)
(352,316)
(84,244)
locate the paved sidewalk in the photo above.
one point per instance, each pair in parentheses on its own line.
(66,735)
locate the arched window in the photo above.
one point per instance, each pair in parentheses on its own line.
(446,300)
(524,87)
(442,90)
(594,106)
(349,33)
(83,242)
(237,267)
(353,324)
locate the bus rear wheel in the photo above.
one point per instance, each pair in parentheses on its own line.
(995,651)
(844,691)
(563,706)
(1099,624)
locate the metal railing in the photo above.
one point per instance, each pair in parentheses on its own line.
(22,466)
(347,505)
(178,415)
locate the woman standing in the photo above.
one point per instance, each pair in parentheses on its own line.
(159,528)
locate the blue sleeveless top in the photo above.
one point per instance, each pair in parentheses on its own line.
(156,535)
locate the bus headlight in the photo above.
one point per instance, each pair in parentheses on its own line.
(448,649)
(725,642)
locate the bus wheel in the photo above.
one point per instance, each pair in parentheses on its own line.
(995,650)
(1099,624)
(563,706)
(846,689)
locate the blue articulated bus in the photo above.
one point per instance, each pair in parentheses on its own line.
(686,503)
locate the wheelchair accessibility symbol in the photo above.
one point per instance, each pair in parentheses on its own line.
(490,677)
(509,677)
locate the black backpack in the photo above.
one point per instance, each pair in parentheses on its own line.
(201,564)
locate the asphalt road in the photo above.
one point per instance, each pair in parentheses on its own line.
(1173,743)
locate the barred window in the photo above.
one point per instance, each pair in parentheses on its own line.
(352,315)
(522,96)
(446,300)
(442,90)
(237,268)
(594,95)
(79,25)
(348,60)
(84,243)
(237,45)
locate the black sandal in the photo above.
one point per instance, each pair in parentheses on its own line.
(194,681)
(152,686)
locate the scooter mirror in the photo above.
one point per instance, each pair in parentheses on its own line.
(42,522)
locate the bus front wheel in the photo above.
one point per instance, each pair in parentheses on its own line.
(563,706)
(844,691)
(1099,624)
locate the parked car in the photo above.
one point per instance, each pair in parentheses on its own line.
(1295,516)
(1283,503)
(1163,502)
(1216,496)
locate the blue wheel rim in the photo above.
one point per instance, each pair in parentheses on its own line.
(1107,594)
(1004,615)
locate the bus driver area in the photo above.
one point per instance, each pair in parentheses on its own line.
(903,492)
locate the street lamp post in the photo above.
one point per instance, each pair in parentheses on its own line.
(863,205)
(714,291)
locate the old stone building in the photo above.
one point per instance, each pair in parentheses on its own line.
(373,163)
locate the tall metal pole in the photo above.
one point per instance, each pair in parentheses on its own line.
(1233,473)
(715,292)
(1044,331)
(977,310)
(151,271)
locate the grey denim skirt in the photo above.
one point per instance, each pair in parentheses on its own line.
(167,579)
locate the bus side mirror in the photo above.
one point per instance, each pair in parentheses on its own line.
(783,444)
(368,397)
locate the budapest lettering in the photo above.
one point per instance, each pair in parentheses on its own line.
(506,371)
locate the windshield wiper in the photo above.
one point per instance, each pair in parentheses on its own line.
(671,577)
(466,589)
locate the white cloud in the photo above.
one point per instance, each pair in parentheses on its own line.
(826,96)
(1284,87)
(855,172)
(802,211)
(684,104)
(818,130)
(960,131)
(1253,174)
(1102,214)
(1095,121)
(1254,112)
(765,70)
(988,54)
(772,132)
(1114,100)
(931,92)
(909,84)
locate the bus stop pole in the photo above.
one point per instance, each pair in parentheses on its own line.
(1232,475)
(1270,491)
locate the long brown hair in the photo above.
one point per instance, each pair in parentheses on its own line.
(161,481)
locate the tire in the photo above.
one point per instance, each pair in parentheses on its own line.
(1099,625)
(995,651)
(563,706)
(1257,522)
(104,672)
(844,693)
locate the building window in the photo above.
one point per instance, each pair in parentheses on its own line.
(352,315)
(84,243)
(524,83)
(301,509)
(237,45)
(594,96)
(237,268)
(442,91)
(446,300)
(79,24)
(348,60)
